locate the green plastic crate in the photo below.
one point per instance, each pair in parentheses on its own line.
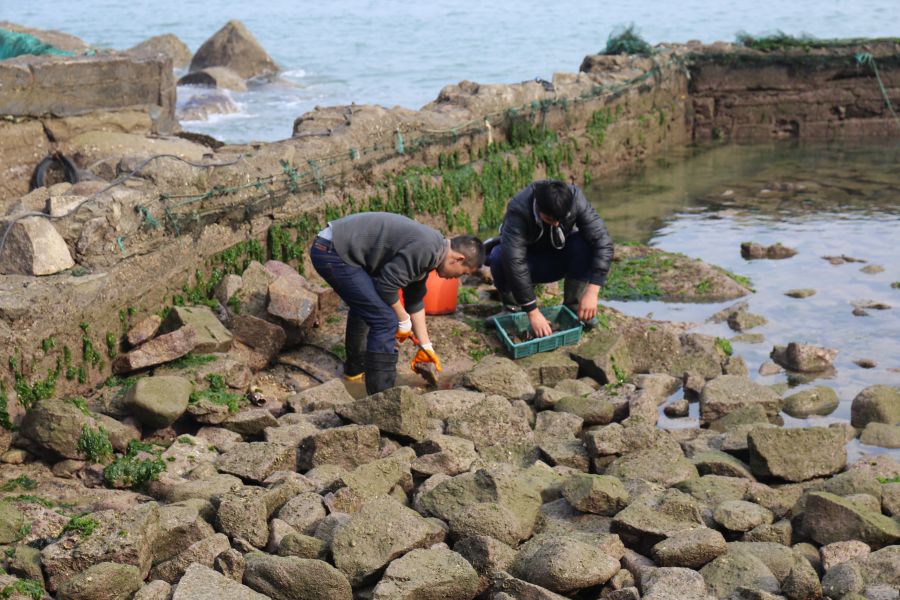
(569,331)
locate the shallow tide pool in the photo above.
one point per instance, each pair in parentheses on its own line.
(822,200)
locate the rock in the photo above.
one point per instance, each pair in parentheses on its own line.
(167,45)
(882,435)
(549,368)
(55,426)
(159,350)
(780,532)
(742,321)
(229,286)
(673,583)
(103,581)
(800,293)
(876,403)
(830,518)
(292,301)
(739,515)
(400,411)
(491,421)
(796,454)
(289,577)
(266,338)
(840,552)
(433,573)
(653,517)
(11,523)
(254,421)
(255,461)
(244,514)
(843,580)
(234,47)
(677,409)
(202,552)
(769,368)
(202,583)
(776,251)
(500,376)
(326,396)
(155,590)
(212,336)
(487,555)
(506,587)
(302,546)
(713,462)
(34,247)
(144,330)
(690,549)
(444,454)
(594,411)
(655,465)
(733,570)
(598,494)
(865,363)
(181,525)
(119,537)
(158,401)
(872,269)
(615,439)
(348,446)
(380,532)
(216,77)
(200,107)
(303,512)
(820,400)
(728,393)
(804,358)
(562,564)
(231,564)
(715,489)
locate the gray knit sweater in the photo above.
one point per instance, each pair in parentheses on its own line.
(396,251)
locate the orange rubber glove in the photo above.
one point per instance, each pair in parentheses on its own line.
(426,354)
(404,330)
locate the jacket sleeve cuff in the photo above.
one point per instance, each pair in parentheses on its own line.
(529,306)
(598,278)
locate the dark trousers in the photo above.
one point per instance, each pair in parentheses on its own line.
(357,289)
(546,264)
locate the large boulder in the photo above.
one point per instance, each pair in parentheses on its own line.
(107,536)
(562,564)
(381,531)
(158,401)
(55,426)
(491,421)
(728,393)
(202,583)
(660,466)
(290,577)
(501,376)
(234,47)
(34,247)
(244,513)
(399,411)
(103,581)
(881,434)
(168,45)
(598,494)
(876,403)
(433,573)
(445,454)
(797,454)
(202,552)
(655,516)
(348,447)
(734,570)
(215,77)
(673,583)
(255,461)
(830,518)
(691,548)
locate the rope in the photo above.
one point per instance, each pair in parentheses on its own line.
(399,147)
(866,58)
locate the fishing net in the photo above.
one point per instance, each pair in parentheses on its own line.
(13,44)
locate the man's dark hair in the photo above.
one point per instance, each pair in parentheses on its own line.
(470,247)
(554,198)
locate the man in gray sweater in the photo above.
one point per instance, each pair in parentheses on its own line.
(367,258)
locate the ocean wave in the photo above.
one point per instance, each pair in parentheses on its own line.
(294,73)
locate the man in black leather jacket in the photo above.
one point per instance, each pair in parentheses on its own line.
(550,232)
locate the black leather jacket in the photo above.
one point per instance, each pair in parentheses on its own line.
(522,228)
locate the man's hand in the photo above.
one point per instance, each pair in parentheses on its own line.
(426,354)
(404,330)
(539,323)
(587,306)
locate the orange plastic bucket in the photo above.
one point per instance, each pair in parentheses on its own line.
(440,295)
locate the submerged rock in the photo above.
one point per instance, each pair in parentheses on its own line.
(804,358)
(820,400)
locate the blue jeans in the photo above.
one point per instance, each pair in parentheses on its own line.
(546,264)
(357,289)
